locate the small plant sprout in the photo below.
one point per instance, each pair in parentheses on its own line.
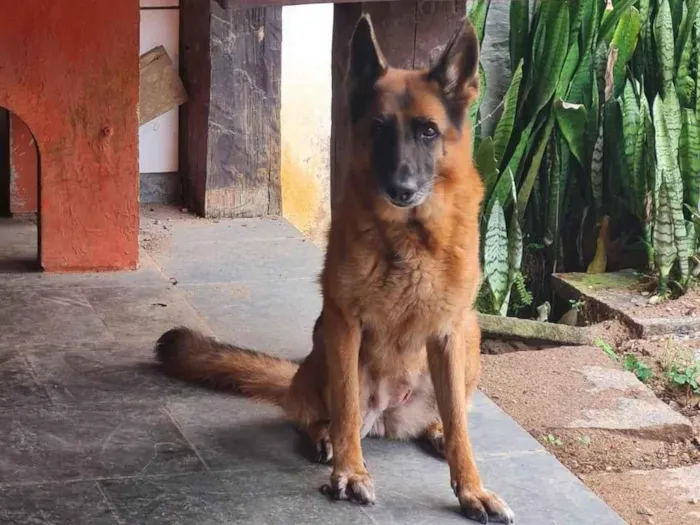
(639,368)
(553,440)
(576,305)
(585,440)
(607,348)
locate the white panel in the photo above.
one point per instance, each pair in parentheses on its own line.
(160,3)
(158,139)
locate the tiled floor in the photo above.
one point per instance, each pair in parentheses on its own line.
(91,433)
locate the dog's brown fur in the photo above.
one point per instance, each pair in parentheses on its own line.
(398,286)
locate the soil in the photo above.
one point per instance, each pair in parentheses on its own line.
(609,462)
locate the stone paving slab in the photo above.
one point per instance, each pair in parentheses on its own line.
(594,393)
(618,295)
(91,433)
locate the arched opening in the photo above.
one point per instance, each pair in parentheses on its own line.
(19,196)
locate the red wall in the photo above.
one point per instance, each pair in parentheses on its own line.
(70,71)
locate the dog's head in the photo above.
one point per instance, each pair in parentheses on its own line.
(408,123)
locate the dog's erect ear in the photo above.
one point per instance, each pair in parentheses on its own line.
(457,70)
(367,65)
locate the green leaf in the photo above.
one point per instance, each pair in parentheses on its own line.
(625,40)
(663,35)
(549,52)
(689,158)
(529,182)
(515,159)
(567,71)
(571,120)
(504,128)
(597,164)
(615,165)
(683,42)
(607,26)
(558,179)
(486,165)
(496,255)
(477,15)
(476,105)
(519,31)
(590,23)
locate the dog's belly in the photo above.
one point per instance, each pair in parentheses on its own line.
(398,408)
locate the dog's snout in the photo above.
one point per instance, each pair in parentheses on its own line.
(403,191)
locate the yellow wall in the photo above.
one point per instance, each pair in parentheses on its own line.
(306,118)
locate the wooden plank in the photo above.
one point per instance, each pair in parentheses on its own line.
(224,4)
(243,175)
(160,87)
(230,128)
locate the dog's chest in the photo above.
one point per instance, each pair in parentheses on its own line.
(403,288)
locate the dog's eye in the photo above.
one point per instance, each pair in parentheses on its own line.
(430,132)
(427,130)
(379,122)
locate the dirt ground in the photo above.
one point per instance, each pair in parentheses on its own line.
(611,462)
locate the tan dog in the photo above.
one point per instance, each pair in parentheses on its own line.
(399,283)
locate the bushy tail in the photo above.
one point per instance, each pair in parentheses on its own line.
(196,358)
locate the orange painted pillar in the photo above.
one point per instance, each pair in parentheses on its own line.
(70,71)
(24,168)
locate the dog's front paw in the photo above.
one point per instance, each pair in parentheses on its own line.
(483,505)
(357,487)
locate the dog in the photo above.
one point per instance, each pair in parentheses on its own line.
(396,347)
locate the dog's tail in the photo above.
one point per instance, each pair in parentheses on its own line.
(194,357)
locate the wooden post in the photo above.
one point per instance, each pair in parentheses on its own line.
(230,128)
(411,33)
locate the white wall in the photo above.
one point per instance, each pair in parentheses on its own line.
(158,139)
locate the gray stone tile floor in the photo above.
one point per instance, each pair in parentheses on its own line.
(91,433)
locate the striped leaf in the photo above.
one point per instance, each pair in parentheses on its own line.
(696,53)
(597,164)
(684,42)
(496,255)
(515,252)
(667,125)
(519,37)
(663,36)
(504,128)
(477,14)
(689,158)
(663,236)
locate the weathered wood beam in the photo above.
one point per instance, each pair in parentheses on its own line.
(230,132)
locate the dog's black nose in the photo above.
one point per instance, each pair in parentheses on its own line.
(402,192)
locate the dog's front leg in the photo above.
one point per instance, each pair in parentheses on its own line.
(454,363)
(350,479)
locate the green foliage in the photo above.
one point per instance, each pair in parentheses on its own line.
(607,348)
(639,368)
(687,377)
(553,440)
(600,119)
